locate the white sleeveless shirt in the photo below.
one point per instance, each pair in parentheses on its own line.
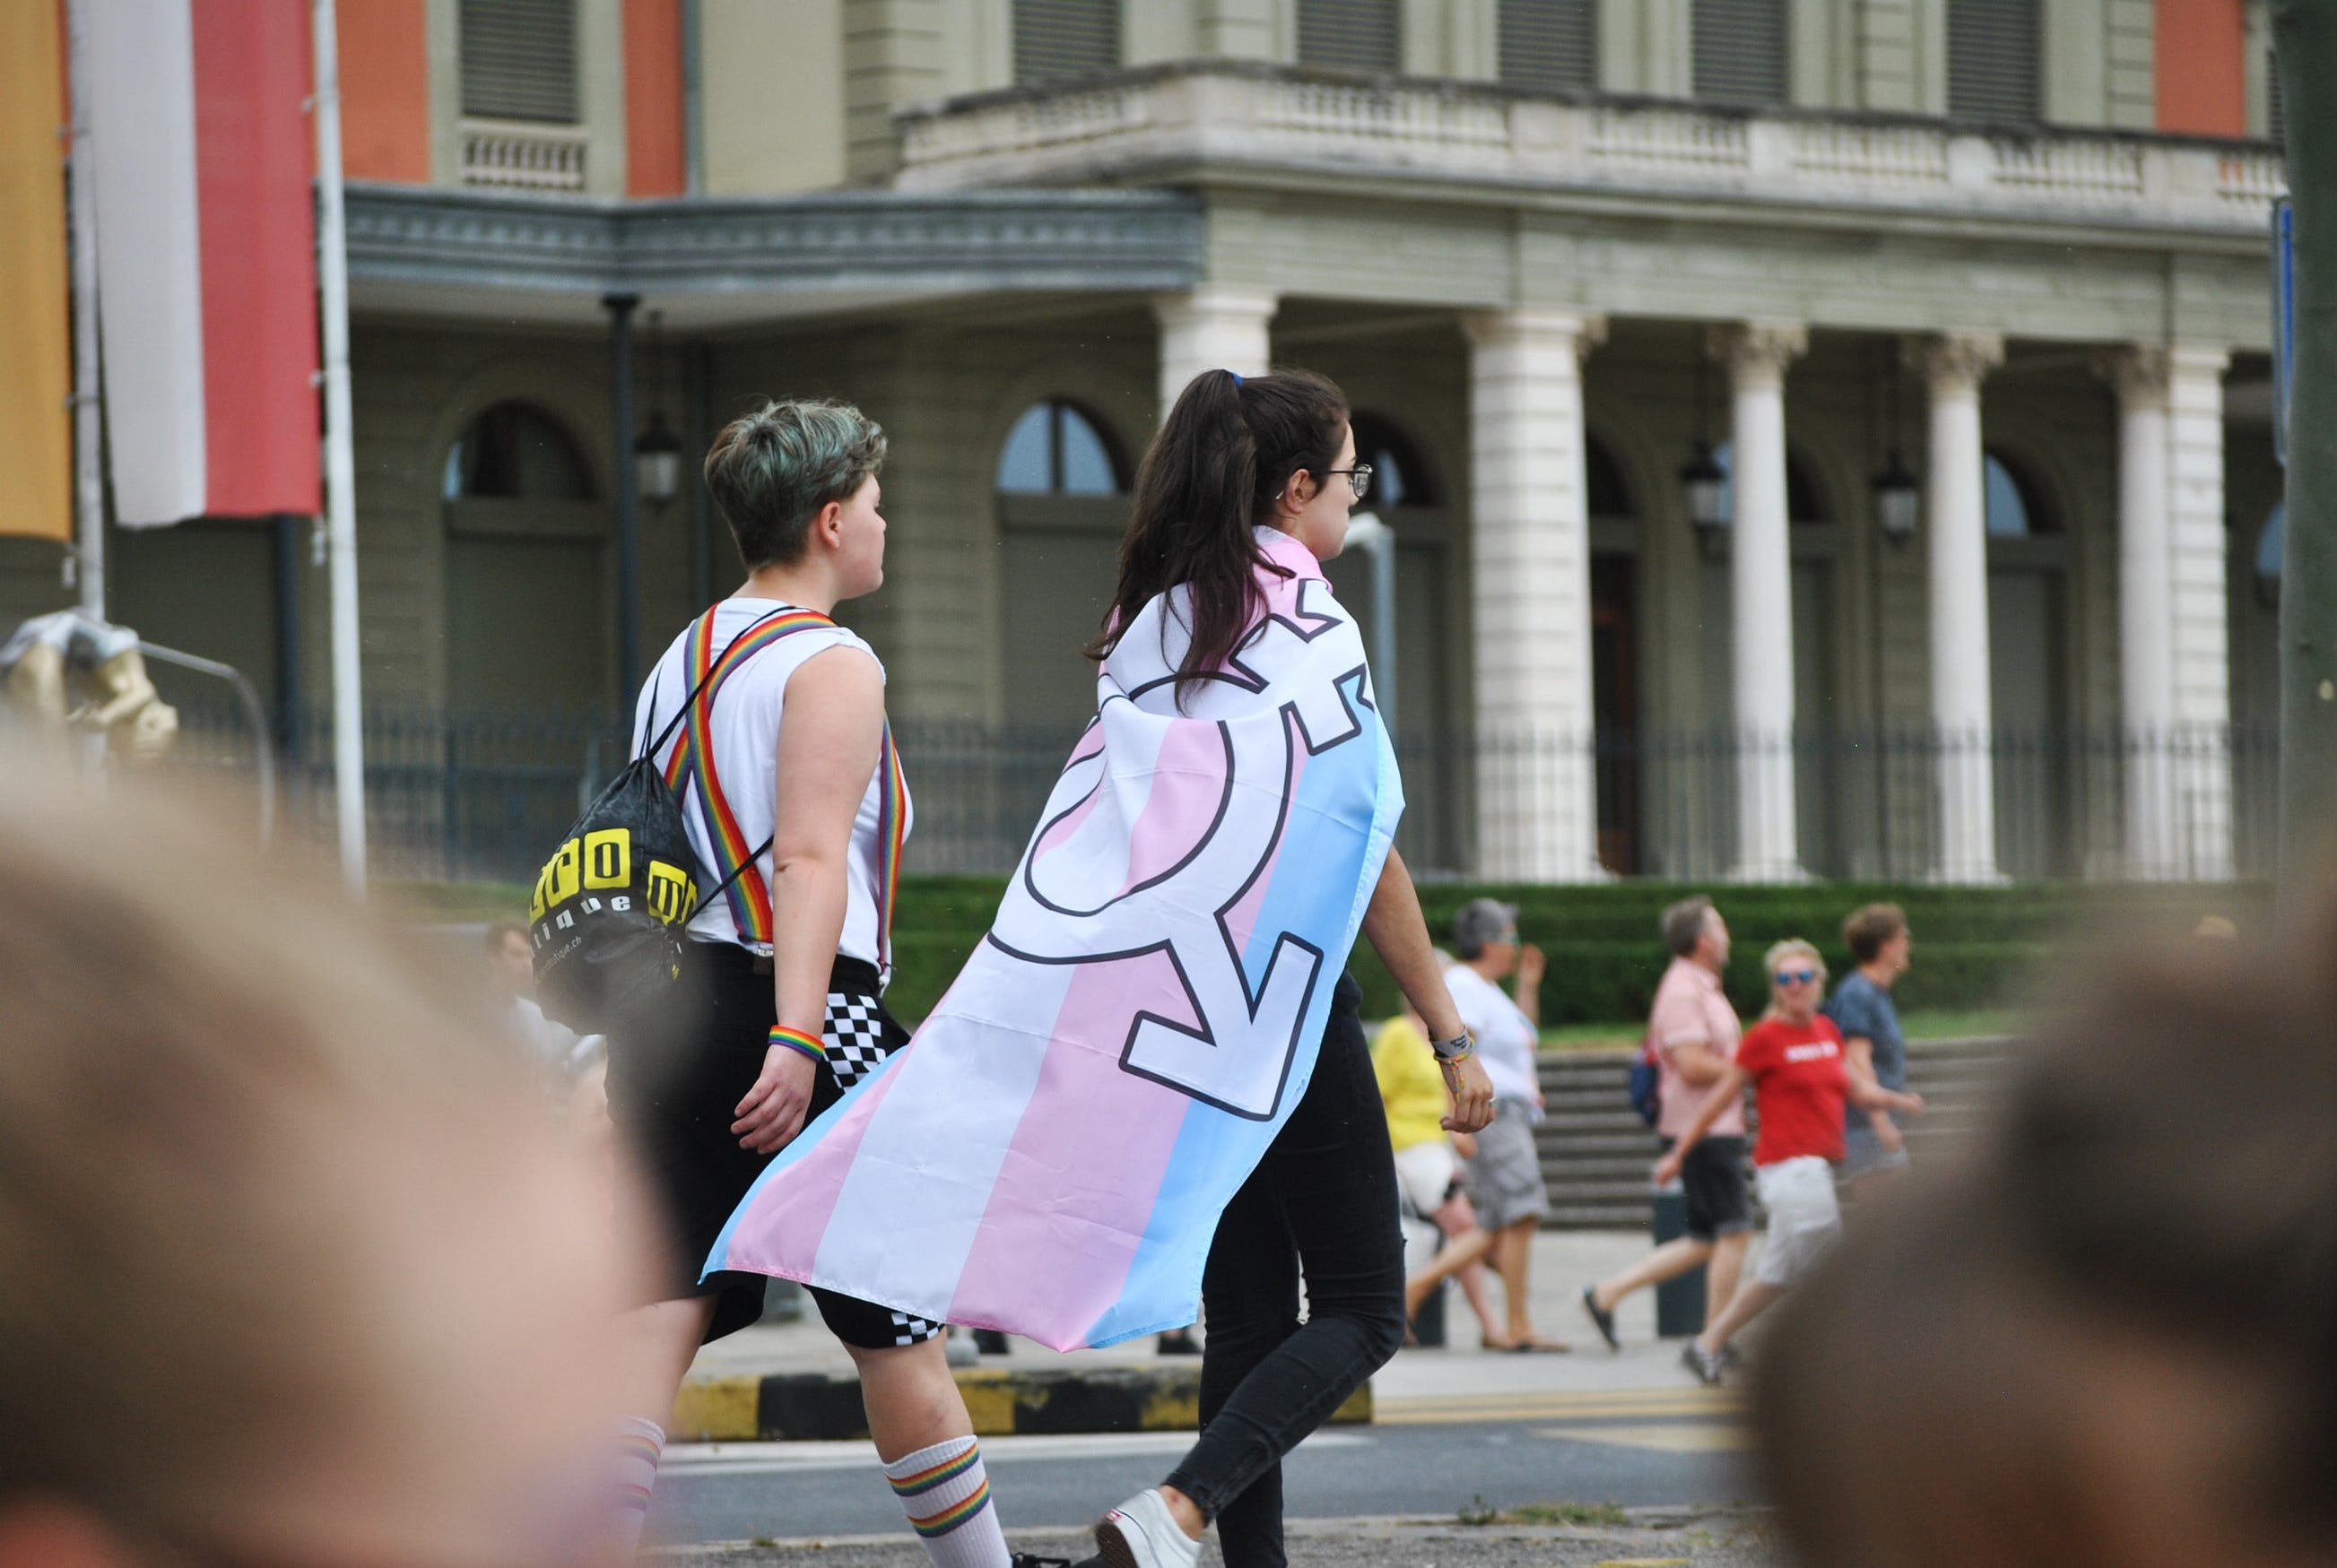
(744,723)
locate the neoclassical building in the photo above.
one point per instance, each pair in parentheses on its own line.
(1820,437)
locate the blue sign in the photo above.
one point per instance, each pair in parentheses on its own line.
(2283,321)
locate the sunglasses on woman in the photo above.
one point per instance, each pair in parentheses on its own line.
(1796,976)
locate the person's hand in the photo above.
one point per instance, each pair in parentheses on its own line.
(773,1111)
(1465,1145)
(1530,965)
(1887,1133)
(1912,1105)
(1472,1095)
(1668,1169)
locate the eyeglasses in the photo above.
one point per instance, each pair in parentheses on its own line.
(1359,478)
(1796,976)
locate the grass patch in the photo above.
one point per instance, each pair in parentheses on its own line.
(1480,1513)
(1954,1023)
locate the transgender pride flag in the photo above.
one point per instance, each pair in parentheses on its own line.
(1050,1155)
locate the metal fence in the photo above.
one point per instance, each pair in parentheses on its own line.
(485,796)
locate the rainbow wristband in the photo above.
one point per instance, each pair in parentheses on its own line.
(796,1040)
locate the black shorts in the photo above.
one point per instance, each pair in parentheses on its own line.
(1712,1177)
(673,1094)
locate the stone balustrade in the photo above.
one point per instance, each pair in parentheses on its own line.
(1160,122)
(517,155)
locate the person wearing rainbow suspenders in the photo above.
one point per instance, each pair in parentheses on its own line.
(787,777)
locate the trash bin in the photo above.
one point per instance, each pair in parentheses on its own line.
(1679,1303)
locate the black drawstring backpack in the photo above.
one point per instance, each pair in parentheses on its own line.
(611,905)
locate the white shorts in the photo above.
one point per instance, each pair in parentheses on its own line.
(1424,1174)
(1805,1217)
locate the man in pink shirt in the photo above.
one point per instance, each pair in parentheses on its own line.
(1692,1032)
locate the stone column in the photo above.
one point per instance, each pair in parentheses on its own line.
(1761,600)
(2173,677)
(1210,328)
(1537,801)
(1957,523)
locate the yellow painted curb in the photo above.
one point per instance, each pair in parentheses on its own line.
(718,1410)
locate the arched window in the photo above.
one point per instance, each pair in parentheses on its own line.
(1400,476)
(1054,449)
(2013,510)
(1804,501)
(515,452)
(1609,495)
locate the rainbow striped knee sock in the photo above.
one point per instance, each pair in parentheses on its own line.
(945,1492)
(632,1475)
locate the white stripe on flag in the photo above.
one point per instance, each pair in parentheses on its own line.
(149,257)
(924,1175)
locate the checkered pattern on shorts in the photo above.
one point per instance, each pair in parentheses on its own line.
(910,1330)
(854,1037)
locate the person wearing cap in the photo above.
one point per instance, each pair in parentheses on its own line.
(1505,1172)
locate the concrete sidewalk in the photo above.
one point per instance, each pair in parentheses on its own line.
(793,1379)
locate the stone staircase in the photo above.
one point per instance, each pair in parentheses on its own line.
(1596,1152)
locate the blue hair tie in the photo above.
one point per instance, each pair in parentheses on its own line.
(1236,376)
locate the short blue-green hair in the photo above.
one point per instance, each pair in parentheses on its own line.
(771,471)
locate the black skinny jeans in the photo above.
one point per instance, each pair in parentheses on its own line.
(1322,1202)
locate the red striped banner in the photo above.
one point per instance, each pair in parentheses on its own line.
(206,255)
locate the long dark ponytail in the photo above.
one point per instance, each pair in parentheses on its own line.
(1210,476)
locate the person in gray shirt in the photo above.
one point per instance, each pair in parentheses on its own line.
(1874,1051)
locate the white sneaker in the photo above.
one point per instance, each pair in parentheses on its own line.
(1142,1533)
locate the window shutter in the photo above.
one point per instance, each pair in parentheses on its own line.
(2275,113)
(1549,43)
(1737,49)
(1351,35)
(519,60)
(1055,39)
(1993,49)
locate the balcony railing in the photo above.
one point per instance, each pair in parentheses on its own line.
(520,155)
(485,796)
(1146,123)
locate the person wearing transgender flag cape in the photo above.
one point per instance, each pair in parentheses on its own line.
(1149,1089)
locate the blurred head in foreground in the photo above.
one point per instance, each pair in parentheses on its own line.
(2111,1338)
(293,1269)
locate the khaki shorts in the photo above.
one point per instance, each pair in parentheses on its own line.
(1505,1176)
(1805,1217)
(1427,1173)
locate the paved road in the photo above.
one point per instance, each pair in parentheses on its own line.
(1424,1456)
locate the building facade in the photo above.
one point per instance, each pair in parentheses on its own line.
(1822,437)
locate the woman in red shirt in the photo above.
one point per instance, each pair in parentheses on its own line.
(1793,1058)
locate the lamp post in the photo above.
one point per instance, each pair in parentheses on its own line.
(1705,483)
(657,463)
(1898,499)
(620,307)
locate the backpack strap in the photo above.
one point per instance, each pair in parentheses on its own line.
(691,766)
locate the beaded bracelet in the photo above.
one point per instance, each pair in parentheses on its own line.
(796,1040)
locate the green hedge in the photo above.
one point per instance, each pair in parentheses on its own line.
(1974,947)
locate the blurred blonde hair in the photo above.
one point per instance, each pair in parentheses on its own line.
(261,1192)
(1792,948)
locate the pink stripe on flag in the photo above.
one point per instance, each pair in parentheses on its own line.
(1188,781)
(781,1226)
(1077,1186)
